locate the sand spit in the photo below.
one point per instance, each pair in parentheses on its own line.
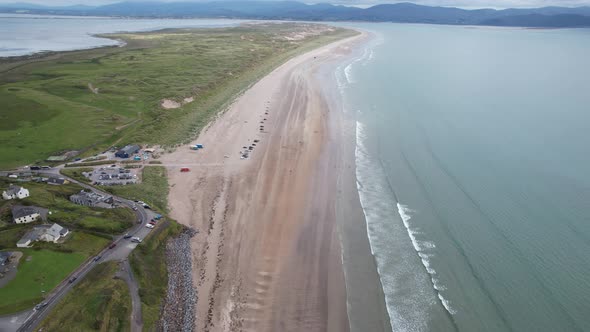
(268,256)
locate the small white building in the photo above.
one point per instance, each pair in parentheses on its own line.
(14,192)
(25,214)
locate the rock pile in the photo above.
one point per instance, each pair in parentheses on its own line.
(179,307)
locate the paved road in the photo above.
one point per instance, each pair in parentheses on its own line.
(28,320)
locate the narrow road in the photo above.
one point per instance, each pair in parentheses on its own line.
(127,274)
(28,320)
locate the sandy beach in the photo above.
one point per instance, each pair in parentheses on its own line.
(268,255)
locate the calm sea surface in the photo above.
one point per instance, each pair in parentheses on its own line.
(473,166)
(27,34)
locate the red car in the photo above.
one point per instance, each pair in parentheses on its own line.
(185,169)
(112,246)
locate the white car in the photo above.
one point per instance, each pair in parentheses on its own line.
(149,226)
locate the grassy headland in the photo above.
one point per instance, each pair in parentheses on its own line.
(88,100)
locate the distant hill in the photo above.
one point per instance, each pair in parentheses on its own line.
(550,17)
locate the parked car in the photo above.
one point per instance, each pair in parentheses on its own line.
(145,206)
(72,279)
(127,236)
(35,168)
(185,169)
(149,226)
(158,217)
(97,258)
(136,240)
(112,246)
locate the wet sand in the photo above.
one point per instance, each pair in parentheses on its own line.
(268,256)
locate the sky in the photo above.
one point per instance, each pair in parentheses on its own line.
(448,3)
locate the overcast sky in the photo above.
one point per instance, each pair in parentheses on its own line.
(449,3)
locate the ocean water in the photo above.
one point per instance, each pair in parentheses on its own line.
(22,34)
(473,169)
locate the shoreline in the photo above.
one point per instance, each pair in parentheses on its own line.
(269,255)
(366,301)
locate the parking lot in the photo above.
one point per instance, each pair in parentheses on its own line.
(110,176)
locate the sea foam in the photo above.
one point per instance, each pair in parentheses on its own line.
(420,247)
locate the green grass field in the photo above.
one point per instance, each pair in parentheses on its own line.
(42,272)
(76,173)
(153,188)
(9,236)
(89,100)
(48,265)
(98,303)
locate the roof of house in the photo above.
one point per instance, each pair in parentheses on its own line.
(13,190)
(130,149)
(55,230)
(31,236)
(19,211)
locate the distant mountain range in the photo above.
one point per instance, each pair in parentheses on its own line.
(546,17)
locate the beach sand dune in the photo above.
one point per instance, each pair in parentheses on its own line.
(267,257)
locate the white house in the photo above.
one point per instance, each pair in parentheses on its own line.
(43,233)
(24,214)
(14,192)
(53,233)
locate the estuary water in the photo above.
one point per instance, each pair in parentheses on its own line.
(22,34)
(473,169)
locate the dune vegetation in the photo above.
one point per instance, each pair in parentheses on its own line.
(161,88)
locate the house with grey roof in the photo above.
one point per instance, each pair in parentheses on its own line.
(127,151)
(44,233)
(15,192)
(25,214)
(92,199)
(53,233)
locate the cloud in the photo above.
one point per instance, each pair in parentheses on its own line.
(447,3)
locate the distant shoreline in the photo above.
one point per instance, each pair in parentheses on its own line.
(543,17)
